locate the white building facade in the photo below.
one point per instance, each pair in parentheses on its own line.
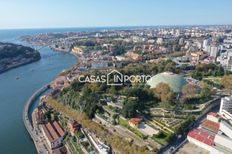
(226,108)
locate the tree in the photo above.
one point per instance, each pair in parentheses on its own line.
(170,67)
(205,91)
(76,85)
(74,139)
(204,70)
(196,75)
(130,107)
(190,91)
(139,90)
(166,65)
(170,137)
(80,135)
(118,50)
(227,83)
(88,101)
(164,92)
(184,126)
(161,134)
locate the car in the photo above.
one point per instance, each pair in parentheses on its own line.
(171,150)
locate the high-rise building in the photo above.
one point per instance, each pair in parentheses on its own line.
(225,60)
(229,61)
(205,44)
(177,32)
(226,108)
(213,51)
(198,44)
(159,41)
(181,41)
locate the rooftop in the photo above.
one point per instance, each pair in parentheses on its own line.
(202,136)
(213,114)
(53,131)
(135,121)
(210,125)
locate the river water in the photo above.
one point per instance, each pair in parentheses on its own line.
(14,138)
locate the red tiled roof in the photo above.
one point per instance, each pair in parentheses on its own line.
(47,133)
(58,128)
(208,142)
(211,137)
(210,125)
(53,131)
(213,114)
(135,121)
(202,136)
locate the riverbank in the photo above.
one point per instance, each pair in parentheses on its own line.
(28,123)
(14,55)
(19,64)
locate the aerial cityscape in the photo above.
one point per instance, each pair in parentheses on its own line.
(108,83)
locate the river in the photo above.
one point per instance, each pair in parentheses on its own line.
(14,139)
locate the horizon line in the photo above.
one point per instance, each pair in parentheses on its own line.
(123,26)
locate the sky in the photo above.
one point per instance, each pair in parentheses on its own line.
(16,14)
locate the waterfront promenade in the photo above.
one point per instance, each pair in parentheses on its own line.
(40,147)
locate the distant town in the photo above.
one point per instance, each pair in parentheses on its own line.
(184,107)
